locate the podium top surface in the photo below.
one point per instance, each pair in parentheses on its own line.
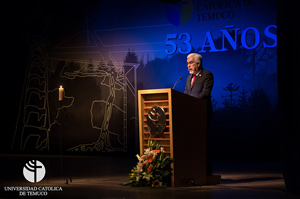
(149,91)
(171,92)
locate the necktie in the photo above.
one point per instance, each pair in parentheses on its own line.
(193,81)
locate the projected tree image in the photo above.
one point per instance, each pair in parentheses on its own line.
(113,78)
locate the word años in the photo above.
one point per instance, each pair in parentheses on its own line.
(250,39)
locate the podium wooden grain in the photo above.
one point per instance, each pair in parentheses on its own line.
(184,138)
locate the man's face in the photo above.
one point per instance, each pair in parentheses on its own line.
(193,67)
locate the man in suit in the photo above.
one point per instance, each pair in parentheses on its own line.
(199,84)
(200,81)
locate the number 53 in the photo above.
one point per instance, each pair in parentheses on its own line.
(170,42)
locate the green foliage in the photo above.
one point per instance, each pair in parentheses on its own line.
(153,168)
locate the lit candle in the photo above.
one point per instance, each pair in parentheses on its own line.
(60,93)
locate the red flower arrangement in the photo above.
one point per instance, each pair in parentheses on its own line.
(153,168)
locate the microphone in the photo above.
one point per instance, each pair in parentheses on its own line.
(176,82)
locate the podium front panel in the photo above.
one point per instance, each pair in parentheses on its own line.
(148,99)
(184,137)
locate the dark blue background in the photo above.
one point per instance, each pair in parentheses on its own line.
(135,32)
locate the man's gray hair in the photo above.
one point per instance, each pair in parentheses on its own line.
(197,58)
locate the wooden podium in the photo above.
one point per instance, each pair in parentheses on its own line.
(184,138)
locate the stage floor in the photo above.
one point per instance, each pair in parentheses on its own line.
(240,180)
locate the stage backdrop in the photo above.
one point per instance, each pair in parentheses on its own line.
(103,52)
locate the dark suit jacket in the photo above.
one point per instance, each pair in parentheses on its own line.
(202,88)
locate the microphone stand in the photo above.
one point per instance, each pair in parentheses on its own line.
(176,82)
